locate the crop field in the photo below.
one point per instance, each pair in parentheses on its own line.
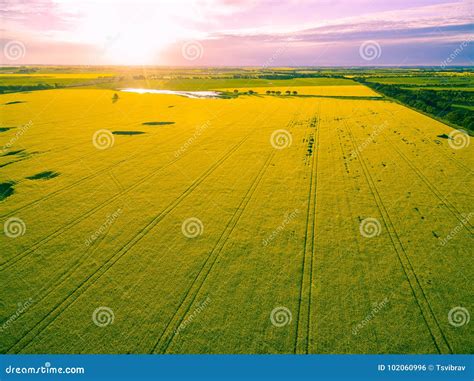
(440,88)
(442,95)
(150,223)
(63,79)
(439,80)
(229,83)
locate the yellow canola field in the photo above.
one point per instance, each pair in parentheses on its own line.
(246,225)
(58,75)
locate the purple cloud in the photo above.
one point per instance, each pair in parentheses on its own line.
(247,32)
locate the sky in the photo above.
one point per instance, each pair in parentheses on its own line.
(237,32)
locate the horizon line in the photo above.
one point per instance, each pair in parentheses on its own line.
(439,67)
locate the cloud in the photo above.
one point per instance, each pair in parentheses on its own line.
(414,36)
(36,15)
(238,32)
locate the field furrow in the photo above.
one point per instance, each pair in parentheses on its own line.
(327,221)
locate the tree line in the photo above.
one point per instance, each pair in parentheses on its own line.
(443,104)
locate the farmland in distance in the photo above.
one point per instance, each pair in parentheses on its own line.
(333,220)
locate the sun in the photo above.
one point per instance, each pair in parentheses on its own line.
(131,35)
(129,51)
(136,47)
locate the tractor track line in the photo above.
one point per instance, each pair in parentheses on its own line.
(11,261)
(311,269)
(346,179)
(163,340)
(167,336)
(431,186)
(56,282)
(95,276)
(421,300)
(93,175)
(308,233)
(455,161)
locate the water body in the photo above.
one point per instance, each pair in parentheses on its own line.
(188,94)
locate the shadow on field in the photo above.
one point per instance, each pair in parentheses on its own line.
(156,123)
(128,132)
(19,155)
(6,189)
(4,129)
(46,175)
(13,103)
(20,152)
